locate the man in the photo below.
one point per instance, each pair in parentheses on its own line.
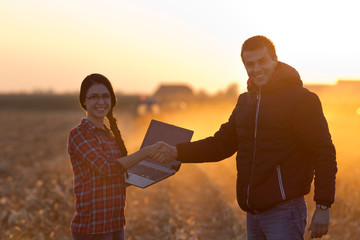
(282,140)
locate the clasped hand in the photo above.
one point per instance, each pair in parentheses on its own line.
(163,152)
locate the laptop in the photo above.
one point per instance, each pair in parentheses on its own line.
(148,171)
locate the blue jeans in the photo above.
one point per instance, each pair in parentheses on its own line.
(119,235)
(282,222)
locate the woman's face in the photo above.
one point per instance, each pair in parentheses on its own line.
(97,102)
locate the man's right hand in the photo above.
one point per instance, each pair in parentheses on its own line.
(164,153)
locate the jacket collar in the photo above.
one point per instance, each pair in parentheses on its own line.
(284,76)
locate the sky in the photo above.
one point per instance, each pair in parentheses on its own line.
(140,44)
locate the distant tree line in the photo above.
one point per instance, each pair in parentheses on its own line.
(47,101)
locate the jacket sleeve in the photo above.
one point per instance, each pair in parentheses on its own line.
(313,133)
(212,149)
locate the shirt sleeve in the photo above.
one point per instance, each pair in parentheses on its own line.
(85,146)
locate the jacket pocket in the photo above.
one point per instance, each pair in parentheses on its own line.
(278,170)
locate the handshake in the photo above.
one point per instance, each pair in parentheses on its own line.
(162,152)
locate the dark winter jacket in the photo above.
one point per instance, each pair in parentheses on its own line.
(281,138)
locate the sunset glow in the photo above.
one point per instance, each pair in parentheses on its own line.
(140,44)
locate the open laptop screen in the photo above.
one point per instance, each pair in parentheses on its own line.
(171,134)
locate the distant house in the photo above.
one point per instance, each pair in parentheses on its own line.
(340,86)
(351,84)
(174,96)
(174,92)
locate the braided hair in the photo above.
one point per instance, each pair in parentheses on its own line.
(96,78)
(114,128)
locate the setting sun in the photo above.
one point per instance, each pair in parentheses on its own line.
(140,44)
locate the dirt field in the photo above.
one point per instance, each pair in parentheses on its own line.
(199,202)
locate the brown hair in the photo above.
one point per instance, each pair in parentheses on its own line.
(96,78)
(257,42)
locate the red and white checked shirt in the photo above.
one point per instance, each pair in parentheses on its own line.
(99,184)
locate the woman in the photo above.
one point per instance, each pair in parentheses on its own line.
(99,161)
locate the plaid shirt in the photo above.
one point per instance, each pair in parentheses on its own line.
(99,184)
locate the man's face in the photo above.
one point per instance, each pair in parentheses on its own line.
(259,65)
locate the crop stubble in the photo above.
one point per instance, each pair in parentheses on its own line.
(199,202)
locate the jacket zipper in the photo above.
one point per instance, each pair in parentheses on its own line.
(278,170)
(254,151)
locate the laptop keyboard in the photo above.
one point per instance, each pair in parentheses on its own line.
(148,172)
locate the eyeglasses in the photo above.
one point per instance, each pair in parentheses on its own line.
(96,98)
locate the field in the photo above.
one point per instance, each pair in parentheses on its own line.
(199,202)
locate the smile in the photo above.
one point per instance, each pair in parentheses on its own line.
(100,108)
(259,76)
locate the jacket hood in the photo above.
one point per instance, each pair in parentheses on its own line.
(283,76)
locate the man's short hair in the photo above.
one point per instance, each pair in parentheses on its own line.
(257,42)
